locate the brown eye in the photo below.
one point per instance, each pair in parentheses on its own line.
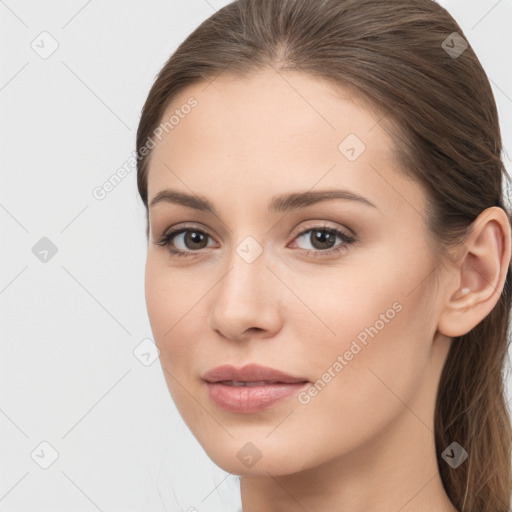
(184,241)
(323,239)
(194,239)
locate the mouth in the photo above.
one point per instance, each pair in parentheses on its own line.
(250,397)
(253,383)
(251,388)
(250,373)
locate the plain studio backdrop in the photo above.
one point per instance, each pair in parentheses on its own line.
(86,420)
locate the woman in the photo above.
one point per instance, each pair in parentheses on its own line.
(328,267)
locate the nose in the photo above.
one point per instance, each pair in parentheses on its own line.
(246,303)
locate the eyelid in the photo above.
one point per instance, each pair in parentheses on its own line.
(320,224)
(174,229)
(298,230)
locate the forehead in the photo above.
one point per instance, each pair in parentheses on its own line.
(272,130)
(233,111)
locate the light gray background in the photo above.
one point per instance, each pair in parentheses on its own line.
(69,327)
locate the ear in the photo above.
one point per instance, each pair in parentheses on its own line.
(477,276)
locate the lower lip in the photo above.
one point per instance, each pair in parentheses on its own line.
(248,399)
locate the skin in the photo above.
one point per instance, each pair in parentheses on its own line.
(365,442)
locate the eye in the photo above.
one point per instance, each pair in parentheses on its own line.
(190,239)
(322,240)
(186,241)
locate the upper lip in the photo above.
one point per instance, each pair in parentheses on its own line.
(249,373)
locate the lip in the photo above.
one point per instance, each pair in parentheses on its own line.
(250,399)
(250,373)
(254,398)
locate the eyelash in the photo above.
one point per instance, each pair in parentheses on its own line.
(165,241)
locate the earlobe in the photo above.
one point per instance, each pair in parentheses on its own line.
(480,274)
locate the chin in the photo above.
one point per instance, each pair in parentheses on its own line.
(251,453)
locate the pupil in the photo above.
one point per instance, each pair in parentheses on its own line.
(321,239)
(194,237)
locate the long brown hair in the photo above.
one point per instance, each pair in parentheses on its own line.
(403,58)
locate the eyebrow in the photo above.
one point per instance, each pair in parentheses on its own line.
(282,203)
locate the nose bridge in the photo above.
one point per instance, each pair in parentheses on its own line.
(245,279)
(244,299)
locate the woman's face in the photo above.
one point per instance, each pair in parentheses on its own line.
(354,314)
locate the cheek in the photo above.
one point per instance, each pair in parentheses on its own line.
(351,401)
(366,339)
(169,302)
(160,298)
(171,305)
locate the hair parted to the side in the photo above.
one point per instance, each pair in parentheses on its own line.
(446,135)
